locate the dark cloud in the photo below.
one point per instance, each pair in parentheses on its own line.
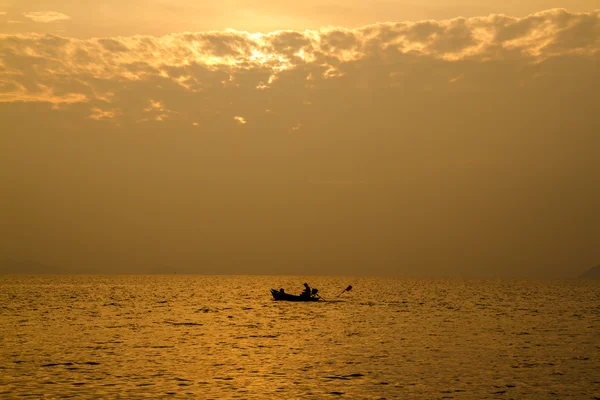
(112,45)
(289,43)
(338,40)
(423,31)
(456,37)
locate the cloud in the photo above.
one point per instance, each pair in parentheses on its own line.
(157,111)
(46,16)
(380,55)
(99,114)
(113,46)
(394,139)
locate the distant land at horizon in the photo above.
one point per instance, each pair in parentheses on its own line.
(592,273)
(29,267)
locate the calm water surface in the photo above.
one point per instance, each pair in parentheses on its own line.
(223,337)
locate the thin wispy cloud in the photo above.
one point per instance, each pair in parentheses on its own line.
(99,114)
(46,16)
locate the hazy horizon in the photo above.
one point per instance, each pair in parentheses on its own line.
(29,267)
(456,141)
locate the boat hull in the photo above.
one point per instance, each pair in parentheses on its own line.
(277,295)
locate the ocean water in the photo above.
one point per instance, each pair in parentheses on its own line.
(223,337)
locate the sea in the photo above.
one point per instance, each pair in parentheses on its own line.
(224,337)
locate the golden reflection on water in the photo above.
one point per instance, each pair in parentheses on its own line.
(224,337)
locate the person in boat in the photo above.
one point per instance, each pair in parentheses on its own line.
(306,292)
(282,290)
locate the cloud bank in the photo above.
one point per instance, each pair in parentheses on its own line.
(40,67)
(434,146)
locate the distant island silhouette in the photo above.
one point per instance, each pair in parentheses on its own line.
(592,273)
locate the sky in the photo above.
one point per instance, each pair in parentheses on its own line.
(301,138)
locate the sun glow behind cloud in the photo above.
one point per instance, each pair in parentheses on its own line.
(189,58)
(409,135)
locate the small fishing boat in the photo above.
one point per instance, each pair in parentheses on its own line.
(281,295)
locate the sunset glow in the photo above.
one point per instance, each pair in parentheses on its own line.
(433,132)
(316,199)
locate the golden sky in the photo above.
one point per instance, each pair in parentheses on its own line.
(85,19)
(445,140)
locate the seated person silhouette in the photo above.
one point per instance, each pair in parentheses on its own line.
(306,292)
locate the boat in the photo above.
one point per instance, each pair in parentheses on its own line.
(280,295)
